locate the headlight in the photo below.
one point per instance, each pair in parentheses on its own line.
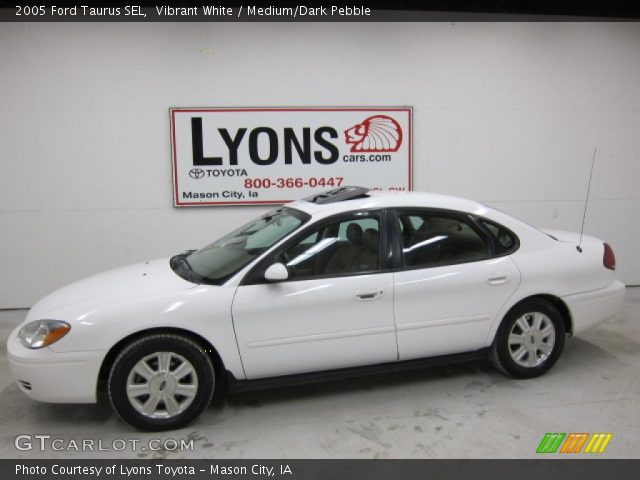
(42,333)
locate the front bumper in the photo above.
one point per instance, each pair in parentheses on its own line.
(591,308)
(49,376)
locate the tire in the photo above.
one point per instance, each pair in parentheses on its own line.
(523,353)
(161,400)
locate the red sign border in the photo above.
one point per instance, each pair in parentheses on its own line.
(173,110)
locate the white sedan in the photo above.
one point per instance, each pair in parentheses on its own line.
(341,283)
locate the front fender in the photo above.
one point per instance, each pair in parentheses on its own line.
(204,310)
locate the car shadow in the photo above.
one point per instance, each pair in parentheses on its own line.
(577,353)
(371,382)
(16,409)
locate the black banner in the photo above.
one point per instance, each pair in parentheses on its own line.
(315,11)
(321,469)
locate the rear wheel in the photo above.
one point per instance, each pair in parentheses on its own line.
(529,340)
(161,382)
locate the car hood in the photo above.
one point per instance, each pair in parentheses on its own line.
(112,287)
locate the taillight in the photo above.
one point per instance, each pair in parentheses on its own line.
(609,259)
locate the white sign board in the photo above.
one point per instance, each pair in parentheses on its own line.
(244,156)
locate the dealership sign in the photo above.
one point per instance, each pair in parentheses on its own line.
(240,156)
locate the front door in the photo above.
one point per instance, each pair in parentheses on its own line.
(335,310)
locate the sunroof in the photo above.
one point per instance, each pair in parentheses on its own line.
(338,195)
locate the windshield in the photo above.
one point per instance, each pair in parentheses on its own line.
(217,262)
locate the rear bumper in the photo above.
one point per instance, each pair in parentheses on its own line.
(49,376)
(591,308)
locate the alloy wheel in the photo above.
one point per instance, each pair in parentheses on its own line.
(531,339)
(162,385)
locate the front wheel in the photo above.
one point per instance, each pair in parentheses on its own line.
(529,340)
(161,382)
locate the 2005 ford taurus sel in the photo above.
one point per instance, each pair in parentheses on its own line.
(344,282)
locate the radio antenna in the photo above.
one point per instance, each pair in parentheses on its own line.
(586,201)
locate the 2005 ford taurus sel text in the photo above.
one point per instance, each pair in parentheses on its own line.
(344,282)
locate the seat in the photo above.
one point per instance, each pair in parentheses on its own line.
(343,258)
(368,258)
(426,252)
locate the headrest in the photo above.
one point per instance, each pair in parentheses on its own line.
(441,224)
(370,238)
(354,233)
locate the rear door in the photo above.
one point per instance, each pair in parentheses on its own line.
(450,284)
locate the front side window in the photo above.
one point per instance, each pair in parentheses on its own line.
(342,247)
(216,262)
(433,239)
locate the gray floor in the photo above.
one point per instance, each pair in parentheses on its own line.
(465,411)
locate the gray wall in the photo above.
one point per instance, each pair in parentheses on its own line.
(504,113)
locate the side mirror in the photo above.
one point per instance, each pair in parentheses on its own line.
(276,273)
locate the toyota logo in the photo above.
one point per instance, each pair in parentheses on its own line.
(196,173)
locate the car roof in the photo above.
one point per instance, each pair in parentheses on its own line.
(388,199)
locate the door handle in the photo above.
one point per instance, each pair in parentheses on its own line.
(369,294)
(497,279)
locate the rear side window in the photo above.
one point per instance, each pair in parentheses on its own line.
(433,239)
(505,239)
